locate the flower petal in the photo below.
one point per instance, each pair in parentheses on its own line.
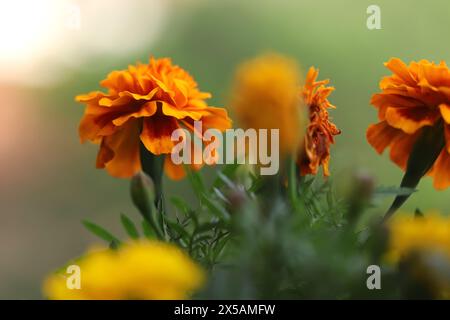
(217,118)
(401,148)
(179,113)
(445,112)
(173,171)
(441,171)
(410,119)
(398,67)
(156,134)
(381,135)
(148,109)
(124,144)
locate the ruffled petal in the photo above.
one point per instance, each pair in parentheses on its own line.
(399,68)
(401,148)
(124,145)
(157,132)
(181,113)
(217,118)
(441,171)
(173,171)
(381,135)
(148,109)
(410,119)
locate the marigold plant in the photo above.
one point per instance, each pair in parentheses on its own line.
(425,237)
(144,104)
(414,97)
(137,270)
(320,131)
(265,96)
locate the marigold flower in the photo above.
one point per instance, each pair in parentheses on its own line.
(415,96)
(138,270)
(428,235)
(320,131)
(266,97)
(144,103)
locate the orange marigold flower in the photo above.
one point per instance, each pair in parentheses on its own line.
(320,131)
(414,97)
(144,103)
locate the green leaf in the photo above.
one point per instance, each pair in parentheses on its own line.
(148,230)
(224,175)
(129,227)
(215,208)
(179,229)
(257,184)
(181,205)
(424,153)
(394,191)
(100,232)
(196,182)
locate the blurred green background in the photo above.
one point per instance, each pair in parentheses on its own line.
(48,179)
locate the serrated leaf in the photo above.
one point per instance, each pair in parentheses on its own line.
(129,227)
(215,208)
(181,205)
(179,229)
(100,232)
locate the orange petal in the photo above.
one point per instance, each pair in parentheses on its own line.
(173,171)
(398,67)
(217,118)
(410,119)
(146,110)
(156,134)
(401,149)
(181,113)
(125,146)
(94,126)
(447,136)
(105,154)
(93,96)
(441,171)
(381,135)
(445,112)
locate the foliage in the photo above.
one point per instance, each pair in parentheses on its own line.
(274,237)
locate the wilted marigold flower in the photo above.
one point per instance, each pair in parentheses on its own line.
(425,236)
(265,96)
(320,131)
(144,270)
(144,103)
(413,97)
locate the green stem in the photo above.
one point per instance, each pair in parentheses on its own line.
(293,183)
(153,166)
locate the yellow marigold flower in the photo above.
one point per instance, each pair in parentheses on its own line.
(320,131)
(430,233)
(138,270)
(265,96)
(413,97)
(427,235)
(144,103)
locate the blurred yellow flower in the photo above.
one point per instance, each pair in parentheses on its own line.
(427,236)
(138,270)
(266,96)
